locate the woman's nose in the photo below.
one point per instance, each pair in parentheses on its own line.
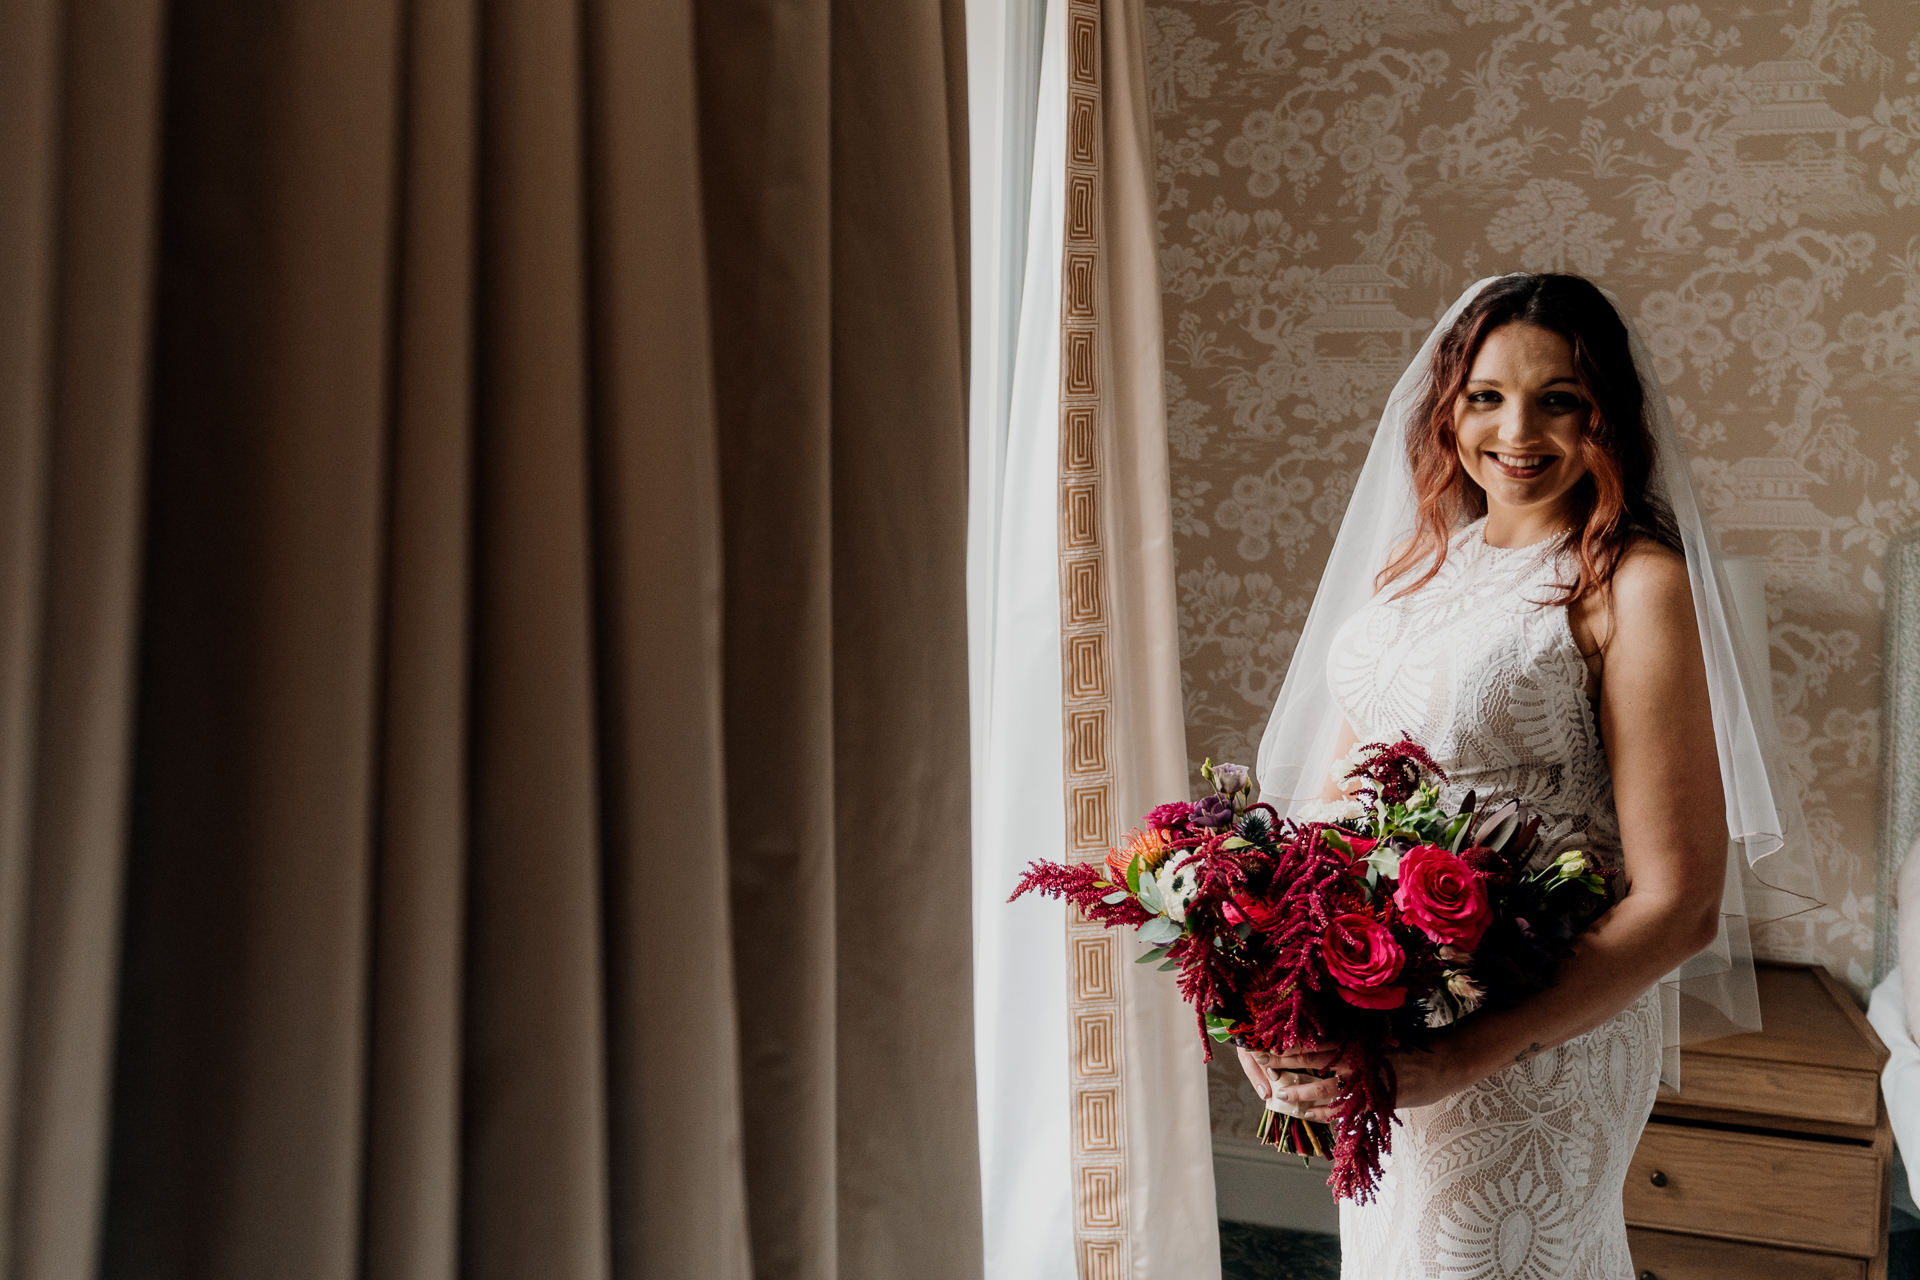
(1522,424)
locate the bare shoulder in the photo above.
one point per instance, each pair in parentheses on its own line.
(1651,599)
(1651,581)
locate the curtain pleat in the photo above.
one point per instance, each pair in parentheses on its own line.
(483,760)
(29,268)
(417,950)
(764,83)
(77,123)
(908,1127)
(535,1196)
(238,1130)
(675,1137)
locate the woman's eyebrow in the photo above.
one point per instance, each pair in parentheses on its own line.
(1495,382)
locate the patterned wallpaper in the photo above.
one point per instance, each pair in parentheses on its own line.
(1746,177)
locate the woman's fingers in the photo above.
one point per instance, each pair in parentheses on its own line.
(1256,1071)
(1308,1091)
(1301,1057)
(1301,1060)
(1295,1077)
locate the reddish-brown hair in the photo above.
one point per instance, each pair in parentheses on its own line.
(1611,503)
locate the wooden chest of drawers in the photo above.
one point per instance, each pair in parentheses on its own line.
(1775,1159)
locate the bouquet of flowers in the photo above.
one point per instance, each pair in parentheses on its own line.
(1365,924)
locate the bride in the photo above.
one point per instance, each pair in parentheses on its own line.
(1535,615)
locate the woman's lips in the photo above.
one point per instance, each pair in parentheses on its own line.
(1520,466)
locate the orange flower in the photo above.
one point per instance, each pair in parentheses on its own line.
(1149,846)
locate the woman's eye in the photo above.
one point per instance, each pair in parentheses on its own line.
(1562,402)
(1483,397)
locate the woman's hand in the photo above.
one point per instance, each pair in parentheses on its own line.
(1295,1076)
(1423,1078)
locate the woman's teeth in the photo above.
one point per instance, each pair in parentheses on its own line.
(1520,463)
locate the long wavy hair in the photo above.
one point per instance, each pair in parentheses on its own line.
(1611,503)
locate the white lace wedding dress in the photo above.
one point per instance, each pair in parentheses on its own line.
(1519,1176)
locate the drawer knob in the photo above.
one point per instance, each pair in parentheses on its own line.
(1648,1275)
(1659,1179)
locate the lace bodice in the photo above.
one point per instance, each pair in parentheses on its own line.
(1490,683)
(1520,1175)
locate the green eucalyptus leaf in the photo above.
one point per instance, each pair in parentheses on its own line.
(1155,953)
(1385,860)
(1149,895)
(1171,964)
(1118,895)
(1133,874)
(1160,930)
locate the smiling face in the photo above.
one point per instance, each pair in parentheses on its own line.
(1518,424)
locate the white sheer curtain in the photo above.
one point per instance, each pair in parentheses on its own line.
(1020,964)
(1035,1194)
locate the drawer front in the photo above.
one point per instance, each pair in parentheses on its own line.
(1779,1088)
(1660,1255)
(1781,1191)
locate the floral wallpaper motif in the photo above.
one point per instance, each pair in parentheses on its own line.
(1746,176)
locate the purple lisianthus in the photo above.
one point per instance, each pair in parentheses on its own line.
(1213,813)
(1230,779)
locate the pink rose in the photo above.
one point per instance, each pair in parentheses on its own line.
(1442,896)
(1363,959)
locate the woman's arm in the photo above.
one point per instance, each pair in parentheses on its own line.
(1657,722)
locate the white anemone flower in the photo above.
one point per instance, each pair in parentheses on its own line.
(1178,886)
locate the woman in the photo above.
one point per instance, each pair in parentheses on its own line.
(1538,634)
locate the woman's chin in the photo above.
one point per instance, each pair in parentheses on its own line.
(1508,490)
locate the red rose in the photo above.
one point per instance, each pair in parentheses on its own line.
(1363,959)
(1443,897)
(1244,909)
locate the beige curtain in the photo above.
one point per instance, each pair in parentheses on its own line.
(483,777)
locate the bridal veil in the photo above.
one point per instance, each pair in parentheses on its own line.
(1770,871)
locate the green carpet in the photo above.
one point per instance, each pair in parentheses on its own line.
(1248,1252)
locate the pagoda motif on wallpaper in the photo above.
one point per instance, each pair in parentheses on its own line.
(1771,494)
(1360,327)
(1790,110)
(1744,178)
